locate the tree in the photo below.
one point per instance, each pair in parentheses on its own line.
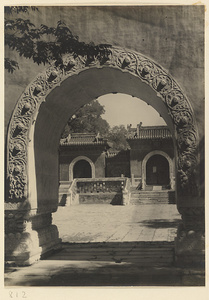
(88,119)
(117,136)
(44,44)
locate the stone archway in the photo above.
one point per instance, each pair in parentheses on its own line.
(77,159)
(170,162)
(40,115)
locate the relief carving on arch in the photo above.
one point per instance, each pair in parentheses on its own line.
(138,65)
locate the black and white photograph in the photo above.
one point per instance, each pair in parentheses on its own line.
(104,128)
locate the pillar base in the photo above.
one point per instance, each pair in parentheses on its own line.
(189,248)
(29,237)
(49,239)
(22,248)
(26,248)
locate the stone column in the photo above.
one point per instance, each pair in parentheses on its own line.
(132,180)
(21,241)
(47,232)
(28,235)
(190,240)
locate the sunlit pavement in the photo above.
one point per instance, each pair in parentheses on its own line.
(105,245)
(109,223)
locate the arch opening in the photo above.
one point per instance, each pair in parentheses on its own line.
(58,105)
(82,169)
(123,72)
(157,171)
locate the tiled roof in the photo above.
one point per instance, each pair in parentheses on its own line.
(147,132)
(150,132)
(82,139)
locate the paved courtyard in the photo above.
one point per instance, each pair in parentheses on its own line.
(107,245)
(112,223)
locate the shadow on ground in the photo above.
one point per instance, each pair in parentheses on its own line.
(54,273)
(107,264)
(160,223)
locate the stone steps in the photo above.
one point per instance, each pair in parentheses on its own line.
(152,197)
(133,190)
(140,253)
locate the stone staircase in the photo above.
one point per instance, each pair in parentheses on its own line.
(107,264)
(144,254)
(152,197)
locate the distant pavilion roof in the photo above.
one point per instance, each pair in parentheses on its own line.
(141,132)
(149,132)
(83,139)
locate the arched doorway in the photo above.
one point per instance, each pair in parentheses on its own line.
(158,164)
(43,110)
(157,171)
(82,169)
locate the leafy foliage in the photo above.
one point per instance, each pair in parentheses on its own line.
(9,10)
(45,44)
(117,137)
(88,119)
(10,65)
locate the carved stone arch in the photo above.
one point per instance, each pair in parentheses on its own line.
(137,65)
(75,160)
(170,162)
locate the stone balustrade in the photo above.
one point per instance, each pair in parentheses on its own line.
(98,190)
(101,185)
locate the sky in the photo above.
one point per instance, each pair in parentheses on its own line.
(121,109)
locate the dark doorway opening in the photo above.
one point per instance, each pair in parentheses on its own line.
(82,169)
(157,170)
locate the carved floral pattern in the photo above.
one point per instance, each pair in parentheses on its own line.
(16,221)
(138,65)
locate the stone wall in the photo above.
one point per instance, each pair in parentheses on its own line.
(173,36)
(111,198)
(118,164)
(141,148)
(67,155)
(129,162)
